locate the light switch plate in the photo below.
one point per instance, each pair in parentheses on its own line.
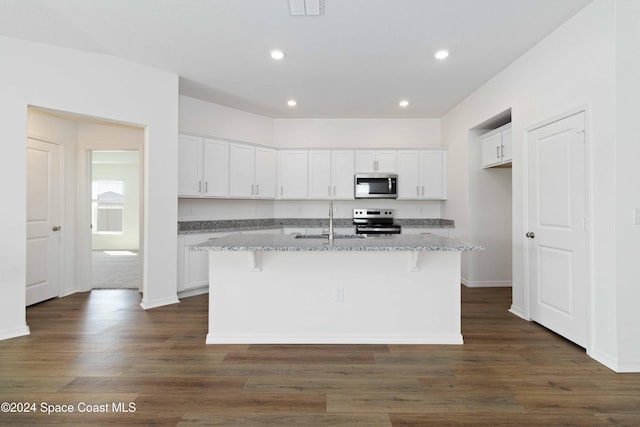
(636,216)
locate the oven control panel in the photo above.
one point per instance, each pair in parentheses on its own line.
(373,213)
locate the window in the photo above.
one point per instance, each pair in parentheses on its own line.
(107,203)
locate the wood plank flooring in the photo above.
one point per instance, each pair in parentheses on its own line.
(102,349)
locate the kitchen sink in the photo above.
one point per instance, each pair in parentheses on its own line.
(326,236)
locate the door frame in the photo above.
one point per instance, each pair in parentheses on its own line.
(62,190)
(521,239)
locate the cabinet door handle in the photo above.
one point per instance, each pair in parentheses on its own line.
(252,189)
(334,190)
(199,186)
(206,187)
(497,152)
(502,151)
(257,189)
(423,190)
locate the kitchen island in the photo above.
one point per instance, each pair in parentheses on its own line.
(287,289)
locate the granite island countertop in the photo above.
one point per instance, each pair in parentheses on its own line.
(288,242)
(193,227)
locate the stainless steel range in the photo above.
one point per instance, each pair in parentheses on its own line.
(375,222)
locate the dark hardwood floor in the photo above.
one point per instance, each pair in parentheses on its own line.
(102,349)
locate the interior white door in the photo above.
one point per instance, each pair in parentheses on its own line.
(43,221)
(556,235)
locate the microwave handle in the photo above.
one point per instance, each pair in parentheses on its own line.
(390,187)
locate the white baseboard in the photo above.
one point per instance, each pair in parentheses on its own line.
(330,339)
(518,312)
(486,284)
(14,333)
(159,303)
(193,292)
(614,365)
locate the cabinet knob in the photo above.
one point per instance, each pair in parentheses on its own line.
(530,235)
(56,228)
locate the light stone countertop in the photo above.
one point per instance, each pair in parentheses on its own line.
(194,227)
(288,242)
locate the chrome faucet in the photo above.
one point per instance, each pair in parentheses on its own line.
(331,235)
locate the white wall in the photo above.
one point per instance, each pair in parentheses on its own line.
(627,180)
(573,67)
(100,86)
(357,133)
(219,121)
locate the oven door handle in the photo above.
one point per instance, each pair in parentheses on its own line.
(389,229)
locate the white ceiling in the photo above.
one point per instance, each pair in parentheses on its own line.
(359,59)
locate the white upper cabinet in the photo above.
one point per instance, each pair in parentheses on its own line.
(189,166)
(331,174)
(433,169)
(320,174)
(409,179)
(507,157)
(203,167)
(292,174)
(496,147)
(216,168)
(422,175)
(375,161)
(242,162)
(212,168)
(266,173)
(342,171)
(252,172)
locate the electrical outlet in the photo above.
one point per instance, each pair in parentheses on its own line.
(338,294)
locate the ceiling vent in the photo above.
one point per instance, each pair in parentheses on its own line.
(306,7)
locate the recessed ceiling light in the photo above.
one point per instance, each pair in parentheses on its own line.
(441,54)
(403,104)
(277,54)
(292,103)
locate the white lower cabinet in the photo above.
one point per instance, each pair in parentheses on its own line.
(193,266)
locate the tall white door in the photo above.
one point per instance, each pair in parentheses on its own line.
(43,221)
(556,235)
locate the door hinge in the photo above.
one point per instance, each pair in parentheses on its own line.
(582,133)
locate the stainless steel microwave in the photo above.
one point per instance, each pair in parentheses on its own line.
(376,186)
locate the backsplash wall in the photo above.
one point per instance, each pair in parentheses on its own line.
(216,209)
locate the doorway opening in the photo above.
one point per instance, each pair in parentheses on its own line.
(490,204)
(115,219)
(60,147)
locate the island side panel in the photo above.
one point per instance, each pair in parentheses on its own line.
(306,297)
